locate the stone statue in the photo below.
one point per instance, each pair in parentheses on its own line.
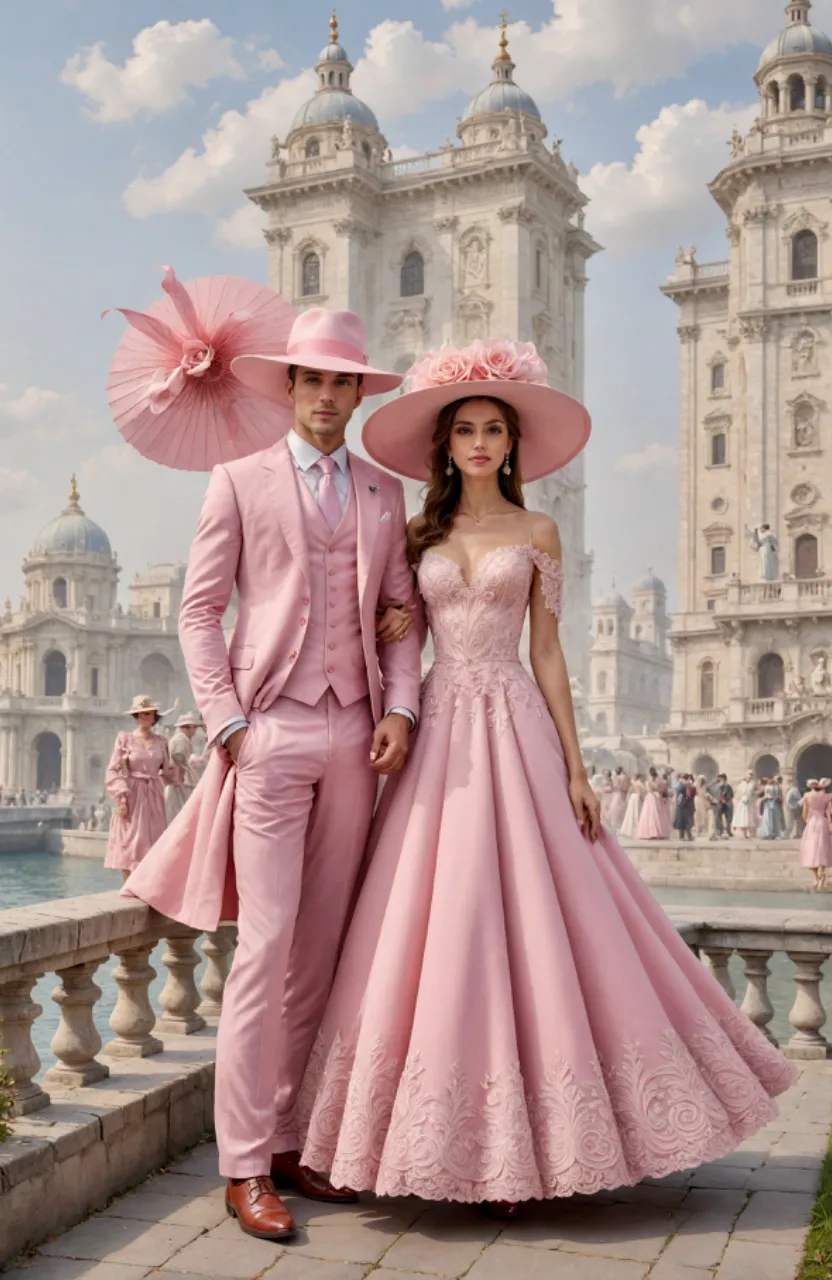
(764,542)
(347,136)
(691,255)
(680,257)
(275,149)
(820,677)
(737,144)
(803,352)
(474,263)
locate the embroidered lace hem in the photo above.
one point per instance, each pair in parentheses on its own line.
(376,1126)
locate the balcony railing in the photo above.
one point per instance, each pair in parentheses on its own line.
(802,288)
(785,596)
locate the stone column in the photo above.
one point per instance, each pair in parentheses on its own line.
(807,1015)
(76,1042)
(218,950)
(280,261)
(756,1004)
(4,755)
(443,276)
(70,757)
(689,551)
(17,1013)
(349,282)
(14,756)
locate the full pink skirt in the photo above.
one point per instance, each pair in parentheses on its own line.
(652,822)
(131,837)
(816,842)
(514,1016)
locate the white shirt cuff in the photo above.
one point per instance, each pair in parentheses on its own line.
(403,711)
(226,732)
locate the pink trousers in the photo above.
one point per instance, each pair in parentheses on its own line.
(303,803)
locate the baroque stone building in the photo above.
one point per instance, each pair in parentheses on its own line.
(481,238)
(630,668)
(71,659)
(752,641)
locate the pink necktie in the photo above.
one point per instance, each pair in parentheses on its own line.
(328,500)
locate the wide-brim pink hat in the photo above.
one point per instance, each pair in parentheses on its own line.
(333,341)
(554,426)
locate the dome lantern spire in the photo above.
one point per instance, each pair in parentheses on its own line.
(333,28)
(797,11)
(503,65)
(74,495)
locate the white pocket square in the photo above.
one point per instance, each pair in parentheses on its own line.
(386,515)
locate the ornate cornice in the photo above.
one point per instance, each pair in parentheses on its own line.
(519,213)
(277,235)
(761,213)
(689,333)
(449,223)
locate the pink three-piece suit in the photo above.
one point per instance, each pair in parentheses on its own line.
(278,841)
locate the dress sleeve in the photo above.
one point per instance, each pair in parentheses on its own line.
(551,580)
(115,780)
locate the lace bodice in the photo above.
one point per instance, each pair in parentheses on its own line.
(476,627)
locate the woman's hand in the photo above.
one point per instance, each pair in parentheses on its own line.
(393,623)
(587,806)
(121,809)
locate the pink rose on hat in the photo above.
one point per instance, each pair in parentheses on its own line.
(439,368)
(492,360)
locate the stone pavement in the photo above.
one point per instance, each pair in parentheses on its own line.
(741,1218)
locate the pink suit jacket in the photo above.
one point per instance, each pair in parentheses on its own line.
(252,531)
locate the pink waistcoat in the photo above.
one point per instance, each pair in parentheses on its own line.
(332,654)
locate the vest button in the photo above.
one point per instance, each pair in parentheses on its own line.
(303,622)
(332,573)
(330,669)
(306,599)
(330,646)
(292,656)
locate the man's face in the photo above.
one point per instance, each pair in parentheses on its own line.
(324,403)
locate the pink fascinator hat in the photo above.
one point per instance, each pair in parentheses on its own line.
(333,341)
(554,427)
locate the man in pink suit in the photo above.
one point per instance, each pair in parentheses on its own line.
(308,715)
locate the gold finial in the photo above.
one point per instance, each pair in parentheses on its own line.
(503,55)
(74,495)
(333,28)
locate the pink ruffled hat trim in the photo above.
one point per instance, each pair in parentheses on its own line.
(554,426)
(321,338)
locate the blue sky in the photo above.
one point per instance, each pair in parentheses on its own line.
(112,166)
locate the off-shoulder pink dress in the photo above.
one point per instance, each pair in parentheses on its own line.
(136,775)
(514,1016)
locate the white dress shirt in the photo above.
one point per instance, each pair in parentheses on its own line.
(305,457)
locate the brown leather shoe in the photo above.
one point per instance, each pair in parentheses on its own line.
(290,1175)
(258,1209)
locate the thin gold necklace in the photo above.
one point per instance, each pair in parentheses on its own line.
(479,519)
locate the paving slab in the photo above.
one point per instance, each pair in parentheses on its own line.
(665,1269)
(445,1240)
(120,1240)
(750,1260)
(294,1267)
(635,1231)
(150,1205)
(775,1217)
(513,1262)
(237,1257)
(75,1269)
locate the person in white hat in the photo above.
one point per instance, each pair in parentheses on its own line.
(136,775)
(186,762)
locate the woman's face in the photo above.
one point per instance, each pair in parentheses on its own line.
(146,719)
(479,439)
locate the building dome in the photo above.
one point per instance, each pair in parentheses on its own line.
(649,583)
(72,532)
(502,94)
(334,101)
(798,38)
(612,600)
(331,106)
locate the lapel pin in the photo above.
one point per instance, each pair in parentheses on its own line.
(373,488)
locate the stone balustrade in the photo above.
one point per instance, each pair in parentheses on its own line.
(716,934)
(72,938)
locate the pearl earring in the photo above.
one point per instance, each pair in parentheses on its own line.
(449,470)
(507,466)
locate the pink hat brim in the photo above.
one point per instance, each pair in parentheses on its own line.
(267,374)
(554,426)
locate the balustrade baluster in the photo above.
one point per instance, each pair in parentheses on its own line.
(133,1018)
(17,1013)
(218,950)
(179,997)
(807,1014)
(756,1005)
(76,1042)
(718,958)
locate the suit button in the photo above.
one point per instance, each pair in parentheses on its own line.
(332,573)
(330,668)
(330,646)
(292,657)
(306,599)
(303,622)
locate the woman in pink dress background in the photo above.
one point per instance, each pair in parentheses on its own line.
(816,841)
(514,1017)
(139,768)
(651,822)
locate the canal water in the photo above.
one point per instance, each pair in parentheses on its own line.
(38,877)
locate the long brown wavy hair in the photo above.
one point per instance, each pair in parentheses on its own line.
(444,491)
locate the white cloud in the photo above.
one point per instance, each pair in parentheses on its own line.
(17,489)
(233,155)
(457,4)
(270,60)
(656,457)
(666,185)
(168,59)
(243,229)
(34,403)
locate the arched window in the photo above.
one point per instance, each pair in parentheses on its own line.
(313,148)
(797,93)
(638,633)
(538,267)
(707,686)
(806,556)
(331,77)
(310,276)
(717,561)
(610,627)
(601,722)
(412,283)
(600,627)
(602,682)
(54,674)
(771,676)
(805,256)
(767,767)
(718,449)
(367,150)
(773,98)
(706,767)
(59,593)
(718,376)
(821,91)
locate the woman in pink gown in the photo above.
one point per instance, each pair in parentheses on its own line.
(136,776)
(514,1016)
(620,792)
(816,841)
(651,823)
